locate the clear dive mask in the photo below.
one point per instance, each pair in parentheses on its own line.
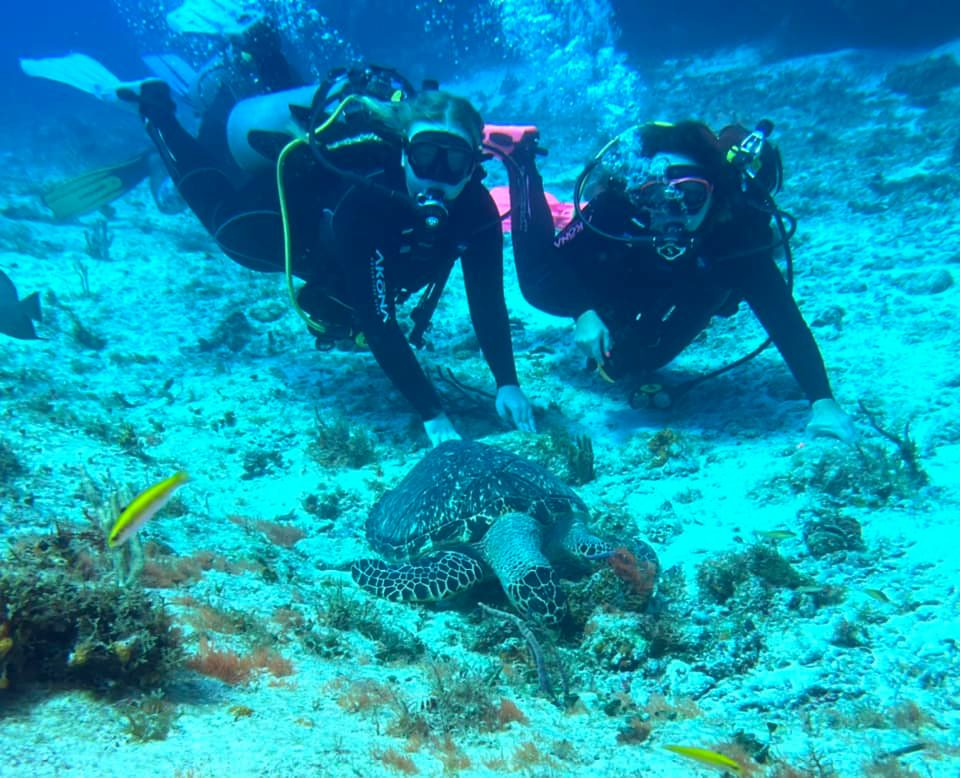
(663,199)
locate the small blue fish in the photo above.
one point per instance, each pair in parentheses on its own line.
(16,315)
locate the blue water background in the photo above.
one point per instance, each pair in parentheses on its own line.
(445,37)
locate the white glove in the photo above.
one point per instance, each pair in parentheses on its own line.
(592,336)
(439,429)
(513,405)
(828,420)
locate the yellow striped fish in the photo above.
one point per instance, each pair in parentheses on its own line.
(144,505)
(708,758)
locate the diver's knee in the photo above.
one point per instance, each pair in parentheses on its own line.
(253,239)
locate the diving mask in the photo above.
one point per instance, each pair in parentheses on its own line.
(438,161)
(682,193)
(666,197)
(671,205)
(441,156)
(437,164)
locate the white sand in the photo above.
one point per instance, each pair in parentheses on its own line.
(869,177)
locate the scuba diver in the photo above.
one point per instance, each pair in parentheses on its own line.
(365,189)
(672,227)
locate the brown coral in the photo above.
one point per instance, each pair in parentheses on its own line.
(838,533)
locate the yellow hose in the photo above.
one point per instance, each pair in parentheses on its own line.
(284,214)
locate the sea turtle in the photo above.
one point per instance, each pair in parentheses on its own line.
(468,511)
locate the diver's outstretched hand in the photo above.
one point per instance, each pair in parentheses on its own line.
(513,405)
(829,420)
(592,336)
(439,429)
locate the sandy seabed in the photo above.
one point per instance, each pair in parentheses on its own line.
(167,356)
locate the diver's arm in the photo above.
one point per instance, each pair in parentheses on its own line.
(362,248)
(482,264)
(767,294)
(395,356)
(388,344)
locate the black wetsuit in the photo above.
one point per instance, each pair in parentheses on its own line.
(362,246)
(655,308)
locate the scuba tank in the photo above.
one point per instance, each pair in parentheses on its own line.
(259,127)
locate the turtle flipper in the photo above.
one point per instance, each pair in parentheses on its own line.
(434,577)
(512,548)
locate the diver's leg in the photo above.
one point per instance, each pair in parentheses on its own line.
(651,345)
(262,44)
(545,266)
(248,226)
(212,133)
(530,217)
(245,221)
(193,169)
(676,333)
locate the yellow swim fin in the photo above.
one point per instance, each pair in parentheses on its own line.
(95,188)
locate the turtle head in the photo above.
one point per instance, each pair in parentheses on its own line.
(537,593)
(512,547)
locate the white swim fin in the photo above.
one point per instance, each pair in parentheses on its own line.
(214,17)
(183,79)
(76,70)
(171,68)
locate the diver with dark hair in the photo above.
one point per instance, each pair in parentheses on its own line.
(672,227)
(364,188)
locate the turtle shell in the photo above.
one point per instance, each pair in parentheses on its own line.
(456,492)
